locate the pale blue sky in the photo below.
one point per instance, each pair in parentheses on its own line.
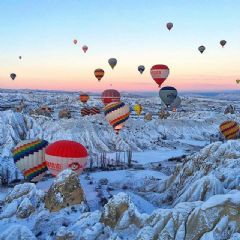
(132,31)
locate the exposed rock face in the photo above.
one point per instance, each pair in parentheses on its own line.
(163,114)
(217,218)
(17,232)
(230,110)
(148,117)
(120,212)
(65,191)
(25,209)
(64,113)
(22,201)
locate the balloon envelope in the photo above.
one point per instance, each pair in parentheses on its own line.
(176,103)
(99,73)
(238,81)
(159,73)
(169,26)
(28,156)
(84,97)
(141,69)
(13,76)
(85,48)
(138,109)
(75,41)
(201,49)
(168,95)
(117,113)
(94,110)
(110,95)
(229,129)
(112,62)
(64,154)
(223,43)
(85,111)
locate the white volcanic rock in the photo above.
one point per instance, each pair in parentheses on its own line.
(17,232)
(22,201)
(65,191)
(214,170)
(120,212)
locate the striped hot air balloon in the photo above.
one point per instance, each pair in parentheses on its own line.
(85,111)
(159,73)
(229,129)
(117,113)
(138,109)
(99,73)
(110,95)
(64,154)
(84,97)
(28,156)
(94,110)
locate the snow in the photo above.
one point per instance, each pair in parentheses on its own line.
(171,200)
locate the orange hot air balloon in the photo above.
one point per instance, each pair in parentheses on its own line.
(75,41)
(84,97)
(85,48)
(99,73)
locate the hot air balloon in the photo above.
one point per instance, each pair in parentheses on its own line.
(75,41)
(138,109)
(20,57)
(84,97)
(238,81)
(117,113)
(169,26)
(94,110)
(229,129)
(110,95)
(28,156)
(99,73)
(176,103)
(112,62)
(223,43)
(141,68)
(201,49)
(85,48)
(159,73)
(64,154)
(168,95)
(85,111)
(13,76)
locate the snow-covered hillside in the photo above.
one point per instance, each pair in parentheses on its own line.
(180,185)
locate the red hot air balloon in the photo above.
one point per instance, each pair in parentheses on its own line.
(64,154)
(159,73)
(110,95)
(85,48)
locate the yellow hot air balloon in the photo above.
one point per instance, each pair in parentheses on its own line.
(229,129)
(138,109)
(238,81)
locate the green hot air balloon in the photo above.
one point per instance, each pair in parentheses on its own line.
(112,62)
(168,95)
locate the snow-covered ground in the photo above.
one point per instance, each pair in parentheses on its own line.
(175,171)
